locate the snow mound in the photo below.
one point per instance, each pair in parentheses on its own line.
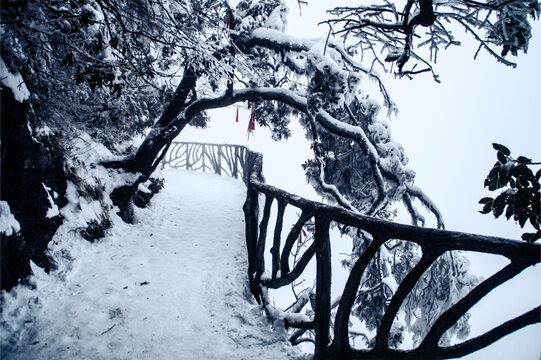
(172,286)
(8,224)
(13,81)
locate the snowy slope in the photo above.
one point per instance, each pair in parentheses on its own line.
(173,286)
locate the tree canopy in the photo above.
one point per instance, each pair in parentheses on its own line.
(115,68)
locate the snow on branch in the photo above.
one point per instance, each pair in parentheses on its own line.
(281,42)
(388,35)
(323,118)
(417,193)
(333,191)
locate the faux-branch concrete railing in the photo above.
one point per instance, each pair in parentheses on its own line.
(237,161)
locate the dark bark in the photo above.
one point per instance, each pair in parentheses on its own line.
(275,251)
(451,315)
(399,296)
(291,276)
(426,15)
(142,199)
(446,240)
(433,243)
(340,344)
(260,253)
(290,240)
(322,310)
(123,198)
(148,155)
(27,165)
(251,216)
(163,131)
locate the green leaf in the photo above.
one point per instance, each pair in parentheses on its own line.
(486,200)
(498,210)
(538,175)
(509,212)
(523,160)
(531,237)
(534,220)
(501,157)
(522,170)
(522,218)
(501,148)
(487,208)
(499,204)
(503,179)
(523,181)
(493,174)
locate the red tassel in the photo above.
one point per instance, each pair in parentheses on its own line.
(237,117)
(251,123)
(230,22)
(301,234)
(314,147)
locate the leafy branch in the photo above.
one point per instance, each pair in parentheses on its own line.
(521,197)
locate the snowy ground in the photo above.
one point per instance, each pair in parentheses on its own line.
(170,287)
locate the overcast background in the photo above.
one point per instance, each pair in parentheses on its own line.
(447,130)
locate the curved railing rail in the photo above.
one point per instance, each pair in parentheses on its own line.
(228,160)
(332,334)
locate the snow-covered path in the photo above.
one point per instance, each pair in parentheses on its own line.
(170,287)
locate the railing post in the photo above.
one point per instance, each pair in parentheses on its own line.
(203,152)
(251,214)
(275,250)
(235,163)
(219,172)
(323,286)
(260,252)
(251,218)
(187,157)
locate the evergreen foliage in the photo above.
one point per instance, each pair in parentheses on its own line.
(521,197)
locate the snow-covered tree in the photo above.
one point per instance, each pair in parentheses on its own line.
(114,68)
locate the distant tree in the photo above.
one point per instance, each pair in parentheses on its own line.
(521,195)
(112,67)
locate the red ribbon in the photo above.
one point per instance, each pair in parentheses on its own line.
(301,234)
(314,148)
(230,20)
(251,123)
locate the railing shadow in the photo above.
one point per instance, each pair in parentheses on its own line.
(332,334)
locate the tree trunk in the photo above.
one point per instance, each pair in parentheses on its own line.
(162,133)
(148,156)
(27,167)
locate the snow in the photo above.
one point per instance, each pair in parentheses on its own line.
(8,224)
(288,41)
(13,81)
(53,209)
(278,18)
(98,18)
(172,286)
